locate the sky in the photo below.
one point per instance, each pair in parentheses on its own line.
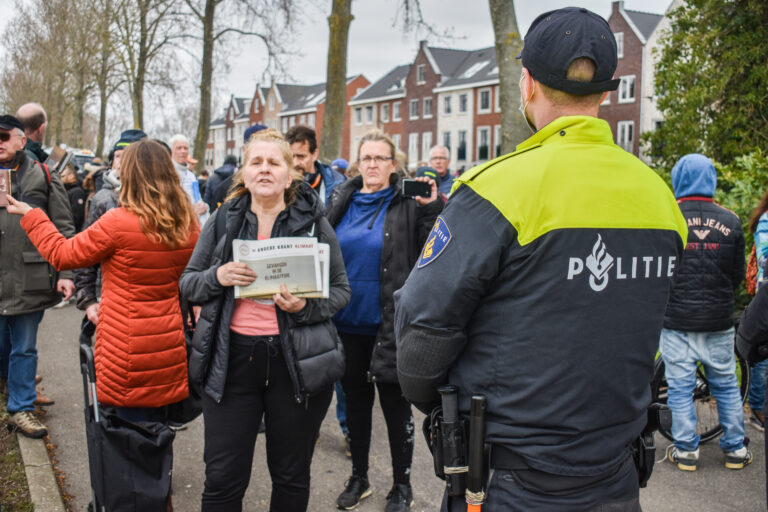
(377,42)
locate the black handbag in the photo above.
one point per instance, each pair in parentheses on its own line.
(192,406)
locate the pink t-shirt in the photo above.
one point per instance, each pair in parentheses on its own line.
(254,317)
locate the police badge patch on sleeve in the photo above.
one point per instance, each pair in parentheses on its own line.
(437,241)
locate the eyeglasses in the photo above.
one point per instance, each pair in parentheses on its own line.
(5,136)
(439,158)
(368,160)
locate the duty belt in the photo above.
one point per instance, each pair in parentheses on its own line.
(542,482)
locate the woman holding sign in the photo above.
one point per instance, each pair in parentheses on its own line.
(381,232)
(277,357)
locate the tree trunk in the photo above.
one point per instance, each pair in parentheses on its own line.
(204,121)
(336,84)
(105,49)
(508,44)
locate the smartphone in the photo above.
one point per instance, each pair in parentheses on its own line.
(413,188)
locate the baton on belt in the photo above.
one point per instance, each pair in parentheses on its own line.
(476,459)
(453,447)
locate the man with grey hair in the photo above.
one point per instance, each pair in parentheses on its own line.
(35,122)
(29,283)
(439,158)
(180,156)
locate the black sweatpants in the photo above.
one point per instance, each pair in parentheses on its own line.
(258,383)
(360,396)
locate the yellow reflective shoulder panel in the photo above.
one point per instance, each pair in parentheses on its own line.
(562,186)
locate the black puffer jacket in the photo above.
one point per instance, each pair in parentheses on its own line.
(406,227)
(711,268)
(210,347)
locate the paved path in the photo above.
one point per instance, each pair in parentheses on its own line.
(711,488)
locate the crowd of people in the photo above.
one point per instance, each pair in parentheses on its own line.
(514,280)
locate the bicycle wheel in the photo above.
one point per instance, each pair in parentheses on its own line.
(707,423)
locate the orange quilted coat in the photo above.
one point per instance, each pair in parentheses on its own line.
(140,353)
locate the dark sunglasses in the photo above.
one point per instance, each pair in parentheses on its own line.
(5,136)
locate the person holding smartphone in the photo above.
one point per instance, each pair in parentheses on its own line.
(381,232)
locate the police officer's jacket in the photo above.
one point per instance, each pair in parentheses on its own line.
(543,286)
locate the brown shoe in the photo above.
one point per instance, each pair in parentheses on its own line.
(38,379)
(27,424)
(43,400)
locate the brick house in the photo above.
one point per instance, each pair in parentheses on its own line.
(379,105)
(468,110)
(626,109)
(430,68)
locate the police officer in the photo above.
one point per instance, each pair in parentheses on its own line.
(561,257)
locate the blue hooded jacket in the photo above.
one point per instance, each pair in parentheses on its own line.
(694,175)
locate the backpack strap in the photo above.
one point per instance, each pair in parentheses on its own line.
(46,171)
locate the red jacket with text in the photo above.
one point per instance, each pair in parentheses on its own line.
(140,350)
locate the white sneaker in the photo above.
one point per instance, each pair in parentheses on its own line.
(737,459)
(685,461)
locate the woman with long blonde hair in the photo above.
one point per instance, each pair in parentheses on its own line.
(143,247)
(279,357)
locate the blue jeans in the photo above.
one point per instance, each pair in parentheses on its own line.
(681,351)
(18,339)
(756,396)
(341,408)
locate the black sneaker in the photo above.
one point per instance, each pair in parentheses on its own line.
(400,498)
(357,488)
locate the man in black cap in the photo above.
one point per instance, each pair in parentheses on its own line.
(28,284)
(563,254)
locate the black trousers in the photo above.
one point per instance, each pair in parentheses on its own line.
(258,383)
(360,396)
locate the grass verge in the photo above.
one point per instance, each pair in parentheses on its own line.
(14,493)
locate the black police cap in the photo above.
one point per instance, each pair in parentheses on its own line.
(557,38)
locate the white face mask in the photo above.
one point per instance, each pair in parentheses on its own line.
(524,105)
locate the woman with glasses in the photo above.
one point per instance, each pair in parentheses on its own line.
(381,233)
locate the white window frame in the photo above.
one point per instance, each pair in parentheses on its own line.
(256,107)
(625,135)
(413,147)
(292,122)
(447,140)
(303,119)
(496,141)
(426,144)
(428,101)
(619,44)
(411,104)
(421,74)
(397,113)
(358,116)
(271,102)
(385,112)
(496,99)
(284,124)
(447,105)
(458,145)
(396,139)
(480,109)
(311,120)
(628,84)
(369,114)
(463,101)
(487,130)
